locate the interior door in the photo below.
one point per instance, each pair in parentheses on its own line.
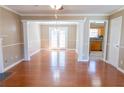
(115,33)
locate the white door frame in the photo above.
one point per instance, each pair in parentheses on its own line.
(105,38)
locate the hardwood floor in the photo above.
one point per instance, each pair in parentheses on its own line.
(60,68)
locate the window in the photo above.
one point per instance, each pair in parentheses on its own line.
(93,33)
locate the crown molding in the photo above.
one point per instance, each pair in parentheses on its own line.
(59,23)
(9,9)
(81,20)
(117,10)
(3,6)
(65,14)
(108,14)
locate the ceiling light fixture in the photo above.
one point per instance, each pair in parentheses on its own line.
(56,7)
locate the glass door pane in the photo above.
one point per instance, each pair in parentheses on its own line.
(62,39)
(54,39)
(58,38)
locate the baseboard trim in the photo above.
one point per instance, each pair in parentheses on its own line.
(106,61)
(36,52)
(16,63)
(120,70)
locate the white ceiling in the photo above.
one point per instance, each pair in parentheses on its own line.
(68,9)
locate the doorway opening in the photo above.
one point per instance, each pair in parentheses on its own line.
(53,36)
(97,40)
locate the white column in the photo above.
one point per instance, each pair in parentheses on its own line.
(1,57)
(80,40)
(26,41)
(86,39)
(105,41)
(77,38)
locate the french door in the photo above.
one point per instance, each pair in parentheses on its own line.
(58,37)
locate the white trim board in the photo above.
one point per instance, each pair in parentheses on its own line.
(12,45)
(35,52)
(106,14)
(106,61)
(115,11)
(9,9)
(120,70)
(14,64)
(65,14)
(65,20)
(3,6)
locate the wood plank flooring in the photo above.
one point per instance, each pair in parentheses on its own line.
(60,68)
